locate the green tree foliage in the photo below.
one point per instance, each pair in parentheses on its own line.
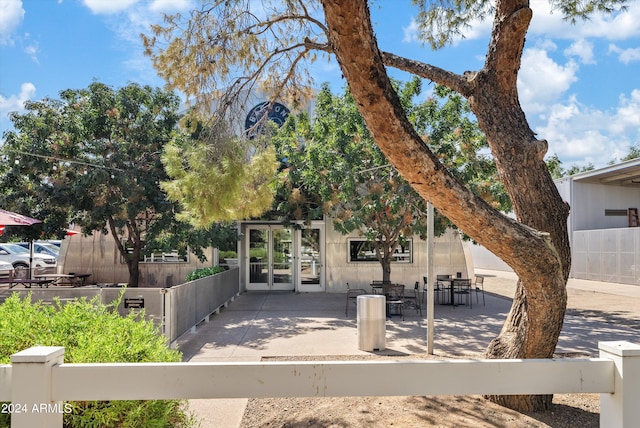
(333,163)
(634,153)
(93,158)
(217,177)
(557,171)
(92,333)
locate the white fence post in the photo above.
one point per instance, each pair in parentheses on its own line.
(621,409)
(31,401)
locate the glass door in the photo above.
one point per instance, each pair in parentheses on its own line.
(311,266)
(270,258)
(281,259)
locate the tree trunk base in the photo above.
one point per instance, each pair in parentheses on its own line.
(523,403)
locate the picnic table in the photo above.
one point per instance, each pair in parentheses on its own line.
(26,282)
(72,279)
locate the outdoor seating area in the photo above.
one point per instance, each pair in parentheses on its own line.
(448,291)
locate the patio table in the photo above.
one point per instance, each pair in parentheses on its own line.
(26,282)
(73,279)
(451,287)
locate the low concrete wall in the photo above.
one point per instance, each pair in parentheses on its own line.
(191,303)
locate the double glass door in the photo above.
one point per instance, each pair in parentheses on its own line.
(284,259)
(270,258)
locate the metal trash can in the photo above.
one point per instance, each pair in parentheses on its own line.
(371,320)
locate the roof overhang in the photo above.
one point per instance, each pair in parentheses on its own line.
(622,174)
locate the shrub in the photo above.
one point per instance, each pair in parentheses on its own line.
(203,272)
(92,332)
(227,254)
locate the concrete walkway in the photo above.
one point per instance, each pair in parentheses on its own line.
(258,325)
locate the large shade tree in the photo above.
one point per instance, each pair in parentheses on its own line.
(228,46)
(92,158)
(332,162)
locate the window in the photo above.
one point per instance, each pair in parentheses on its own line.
(361,250)
(158,257)
(172,257)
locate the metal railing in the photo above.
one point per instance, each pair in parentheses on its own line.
(608,255)
(38,382)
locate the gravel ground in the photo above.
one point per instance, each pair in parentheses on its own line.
(568,410)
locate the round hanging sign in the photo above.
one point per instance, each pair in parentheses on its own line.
(275,112)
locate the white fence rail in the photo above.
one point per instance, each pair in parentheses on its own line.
(38,382)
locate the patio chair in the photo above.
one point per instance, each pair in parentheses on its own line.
(479,288)
(442,288)
(425,288)
(394,294)
(352,295)
(413,299)
(462,289)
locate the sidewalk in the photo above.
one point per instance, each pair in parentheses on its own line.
(258,325)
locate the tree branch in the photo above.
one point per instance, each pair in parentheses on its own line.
(507,42)
(438,75)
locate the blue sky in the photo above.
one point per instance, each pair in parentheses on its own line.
(579,85)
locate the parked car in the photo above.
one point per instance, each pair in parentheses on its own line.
(6,270)
(42,247)
(18,257)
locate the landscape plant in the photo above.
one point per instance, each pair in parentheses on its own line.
(203,272)
(92,332)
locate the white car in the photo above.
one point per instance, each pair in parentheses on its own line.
(6,270)
(43,248)
(18,257)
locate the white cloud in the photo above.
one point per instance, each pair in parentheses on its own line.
(108,7)
(16,102)
(628,114)
(11,15)
(168,6)
(31,47)
(618,26)
(410,32)
(542,81)
(583,50)
(580,135)
(625,56)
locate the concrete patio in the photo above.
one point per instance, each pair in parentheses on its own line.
(259,325)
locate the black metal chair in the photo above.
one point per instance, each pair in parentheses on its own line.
(352,295)
(425,288)
(394,294)
(443,288)
(413,299)
(479,288)
(462,289)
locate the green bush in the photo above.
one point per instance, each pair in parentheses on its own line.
(227,254)
(203,272)
(93,333)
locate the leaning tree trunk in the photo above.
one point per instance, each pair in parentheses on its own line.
(536,246)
